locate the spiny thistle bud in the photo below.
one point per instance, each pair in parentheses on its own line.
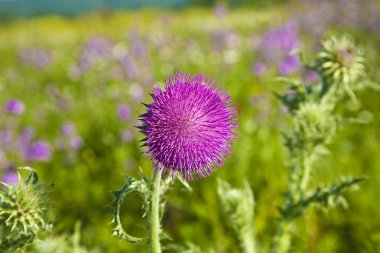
(341,63)
(315,123)
(23,213)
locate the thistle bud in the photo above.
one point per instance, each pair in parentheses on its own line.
(341,63)
(315,123)
(23,213)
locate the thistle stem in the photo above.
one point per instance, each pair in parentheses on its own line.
(154,222)
(306,174)
(282,239)
(247,242)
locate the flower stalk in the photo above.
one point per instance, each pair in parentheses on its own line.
(154,216)
(341,71)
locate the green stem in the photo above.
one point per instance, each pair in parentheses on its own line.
(154,222)
(306,170)
(282,239)
(247,242)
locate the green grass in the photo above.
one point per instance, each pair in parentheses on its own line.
(81,188)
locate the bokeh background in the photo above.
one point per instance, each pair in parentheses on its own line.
(73,76)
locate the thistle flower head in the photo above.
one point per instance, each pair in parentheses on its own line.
(189,126)
(341,61)
(23,209)
(315,123)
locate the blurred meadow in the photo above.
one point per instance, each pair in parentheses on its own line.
(72,87)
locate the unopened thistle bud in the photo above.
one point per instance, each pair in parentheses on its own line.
(341,63)
(23,213)
(315,123)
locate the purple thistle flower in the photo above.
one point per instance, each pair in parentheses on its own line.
(127,136)
(10,177)
(38,151)
(36,57)
(220,10)
(259,68)
(189,127)
(310,76)
(124,112)
(14,106)
(68,128)
(289,65)
(76,142)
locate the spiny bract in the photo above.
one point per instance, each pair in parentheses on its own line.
(189,126)
(23,213)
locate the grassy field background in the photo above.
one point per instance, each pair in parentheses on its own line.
(135,50)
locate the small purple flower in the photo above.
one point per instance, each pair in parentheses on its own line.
(14,106)
(289,65)
(259,68)
(124,112)
(5,138)
(10,177)
(38,151)
(311,76)
(189,126)
(76,142)
(129,66)
(68,128)
(36,57)
(220,10)
(127,136)
(26,137)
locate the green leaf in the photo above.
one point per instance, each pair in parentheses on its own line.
(131,185)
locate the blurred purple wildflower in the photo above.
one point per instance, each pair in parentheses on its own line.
(289,65)
(10,177)
(76,142)
(95,49)
(37,151)
(127,136)
(71,138)
(278,45)
(224,39)
(124,112)
(14,106)
(5,138)
(283,39)
(68,128)
(36,57)
(310,76)
(129,66)
(259,68)
(220,10)
(189,127)
(26,137)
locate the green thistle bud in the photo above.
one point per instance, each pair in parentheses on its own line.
(23,213)
(341,63)
(315,123)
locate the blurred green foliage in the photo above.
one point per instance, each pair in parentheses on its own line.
(81,187)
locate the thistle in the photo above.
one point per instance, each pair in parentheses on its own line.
(189,129)
(23,213)
(315,123)
(341,70)
(341,64)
